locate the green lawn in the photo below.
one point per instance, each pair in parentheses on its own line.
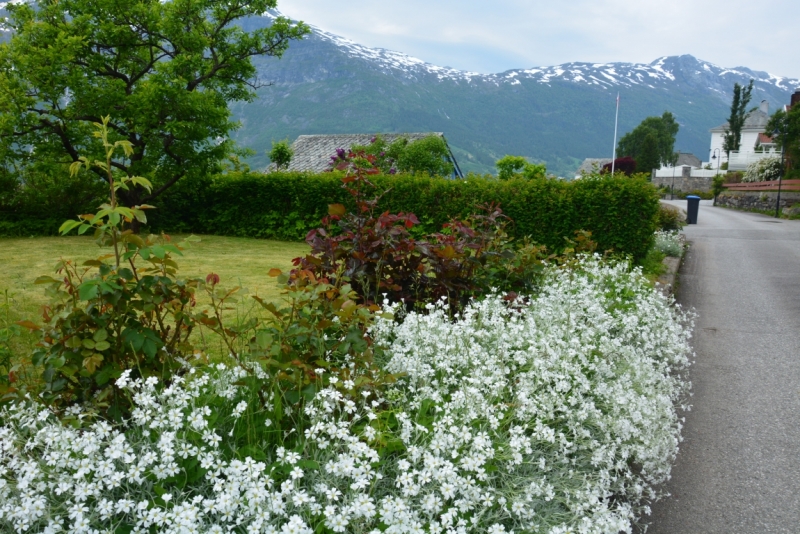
(238,262)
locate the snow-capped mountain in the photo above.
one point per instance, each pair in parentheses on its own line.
(557,114)
(662,70)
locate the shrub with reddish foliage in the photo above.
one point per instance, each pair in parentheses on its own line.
(377,255)
(626,165)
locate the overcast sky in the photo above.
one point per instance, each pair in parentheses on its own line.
(495,36)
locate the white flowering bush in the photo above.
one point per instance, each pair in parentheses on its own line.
(669,243)
(555,414)
(763,170)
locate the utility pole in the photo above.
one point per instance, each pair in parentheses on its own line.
(614,152)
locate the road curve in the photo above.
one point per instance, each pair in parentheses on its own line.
(738,470)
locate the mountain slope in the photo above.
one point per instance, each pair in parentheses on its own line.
(560,114)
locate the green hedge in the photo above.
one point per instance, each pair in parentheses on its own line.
(620,211)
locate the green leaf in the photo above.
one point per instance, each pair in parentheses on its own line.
(67,227)
(88,290)
(158,251)
(102,345)
(88,343)
(263,339)
(105,374)
(100,335)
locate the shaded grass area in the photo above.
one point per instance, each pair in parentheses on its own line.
(238,262)
(652,265)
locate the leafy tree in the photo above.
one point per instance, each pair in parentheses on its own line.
(163,71)
(733,133)
(429,155)
(785,130)
(649,157)
(510,166)
(281,154)
(651,143)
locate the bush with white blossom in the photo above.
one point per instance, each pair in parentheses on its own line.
(668,243)
(763,170)
(555,414)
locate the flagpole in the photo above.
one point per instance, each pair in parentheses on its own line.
(614,152)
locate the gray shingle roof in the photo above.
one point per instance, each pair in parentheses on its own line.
(313,152)
(755,120)
(688,159)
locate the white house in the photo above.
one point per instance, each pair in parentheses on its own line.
(753,138)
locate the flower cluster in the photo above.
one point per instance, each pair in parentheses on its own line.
(561,410)
(555,414)
(669,243)
(763,170)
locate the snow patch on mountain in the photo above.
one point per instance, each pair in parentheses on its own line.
(662,71)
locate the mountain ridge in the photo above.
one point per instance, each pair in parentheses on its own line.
(557,114)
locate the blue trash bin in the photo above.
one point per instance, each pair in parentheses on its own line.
(692,207)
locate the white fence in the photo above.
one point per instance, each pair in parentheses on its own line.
(669,172)
(739,161)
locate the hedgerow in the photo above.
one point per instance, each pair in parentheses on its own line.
(620,212)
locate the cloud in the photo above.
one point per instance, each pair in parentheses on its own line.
(505,34)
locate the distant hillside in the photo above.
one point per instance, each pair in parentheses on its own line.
(560,115)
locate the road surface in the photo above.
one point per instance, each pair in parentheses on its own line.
(738,470)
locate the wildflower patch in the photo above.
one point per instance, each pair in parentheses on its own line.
(555,413)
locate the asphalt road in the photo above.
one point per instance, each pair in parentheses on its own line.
(738,470)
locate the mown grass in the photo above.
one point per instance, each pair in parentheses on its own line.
(238,262)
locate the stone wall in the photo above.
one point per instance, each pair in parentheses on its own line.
(760,200)
(684,181)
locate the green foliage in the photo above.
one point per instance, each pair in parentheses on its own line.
(515,166)
(167,80)
(669,218)
(718,185)
(619,211)
(110,315)
(427,155)
(651,143)
(36,199)
(733,133)
(376,254)
(281,154)
(8,330)
(785,130)
(648,158)
(653,264)
(316,338)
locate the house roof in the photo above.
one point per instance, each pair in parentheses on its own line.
(591,165)
(685,158)
(755,120)
(313,152)
(764,139)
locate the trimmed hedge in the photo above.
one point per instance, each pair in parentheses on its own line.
(619,211)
